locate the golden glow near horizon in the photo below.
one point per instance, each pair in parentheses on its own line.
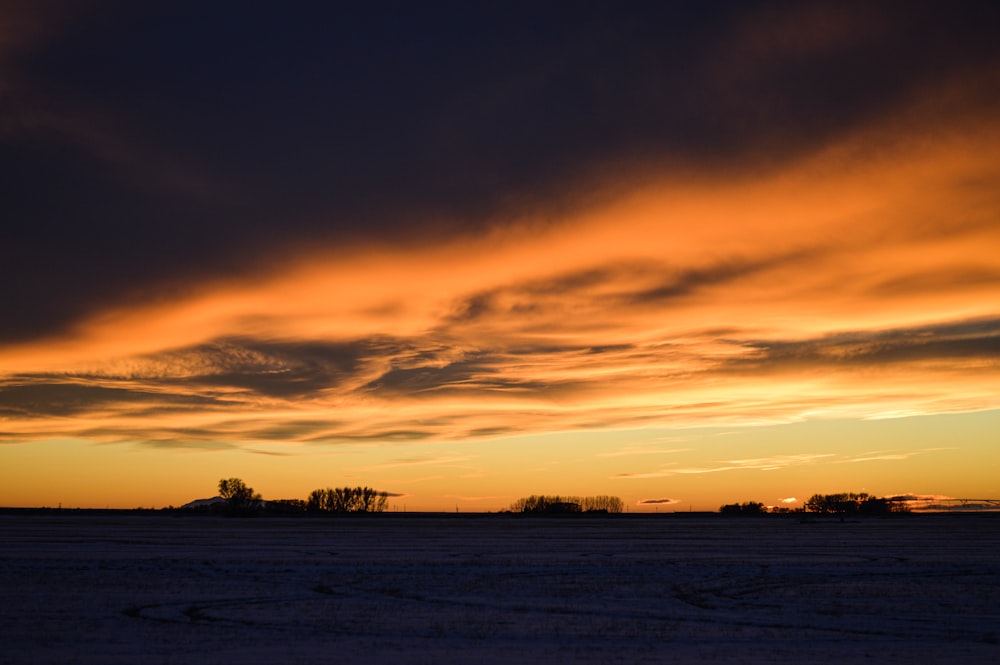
(651,346)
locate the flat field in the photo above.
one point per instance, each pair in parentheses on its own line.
(80,587)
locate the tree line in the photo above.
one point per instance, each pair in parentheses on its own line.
(347,500)
(539,504)
(851,503)
(842,504)
(240,499)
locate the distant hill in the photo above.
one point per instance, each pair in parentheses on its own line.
(204,503)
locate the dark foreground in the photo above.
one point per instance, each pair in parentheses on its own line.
(146,588)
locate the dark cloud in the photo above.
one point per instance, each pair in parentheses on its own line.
(245,390)
(686,282)
(943,343)
(654,502)
(611,287)
(185,442)
(489,432)
(480,372)
(294,430)
(611,348)
(213,376)
(280,369)
(47,396)
(381,435)
(145,146)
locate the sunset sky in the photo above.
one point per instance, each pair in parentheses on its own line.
(683,253)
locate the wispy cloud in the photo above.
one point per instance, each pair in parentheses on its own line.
(761,464)
(878,456)
(777,462)
(889,455)
(418,480)
(630,451)
(411,390)
(475,499)
(446,460)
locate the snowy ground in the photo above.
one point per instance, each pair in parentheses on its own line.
(151,588)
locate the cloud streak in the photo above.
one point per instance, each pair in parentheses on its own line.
(759,464)
(778,462)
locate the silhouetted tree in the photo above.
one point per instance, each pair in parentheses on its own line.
(240,499)
(601,504)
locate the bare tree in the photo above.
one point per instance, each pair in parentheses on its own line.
(240,499)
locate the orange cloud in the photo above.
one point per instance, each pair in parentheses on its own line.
(856,283)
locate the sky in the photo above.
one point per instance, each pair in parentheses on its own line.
(685,253)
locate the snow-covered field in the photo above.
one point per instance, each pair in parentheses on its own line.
(151,588)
